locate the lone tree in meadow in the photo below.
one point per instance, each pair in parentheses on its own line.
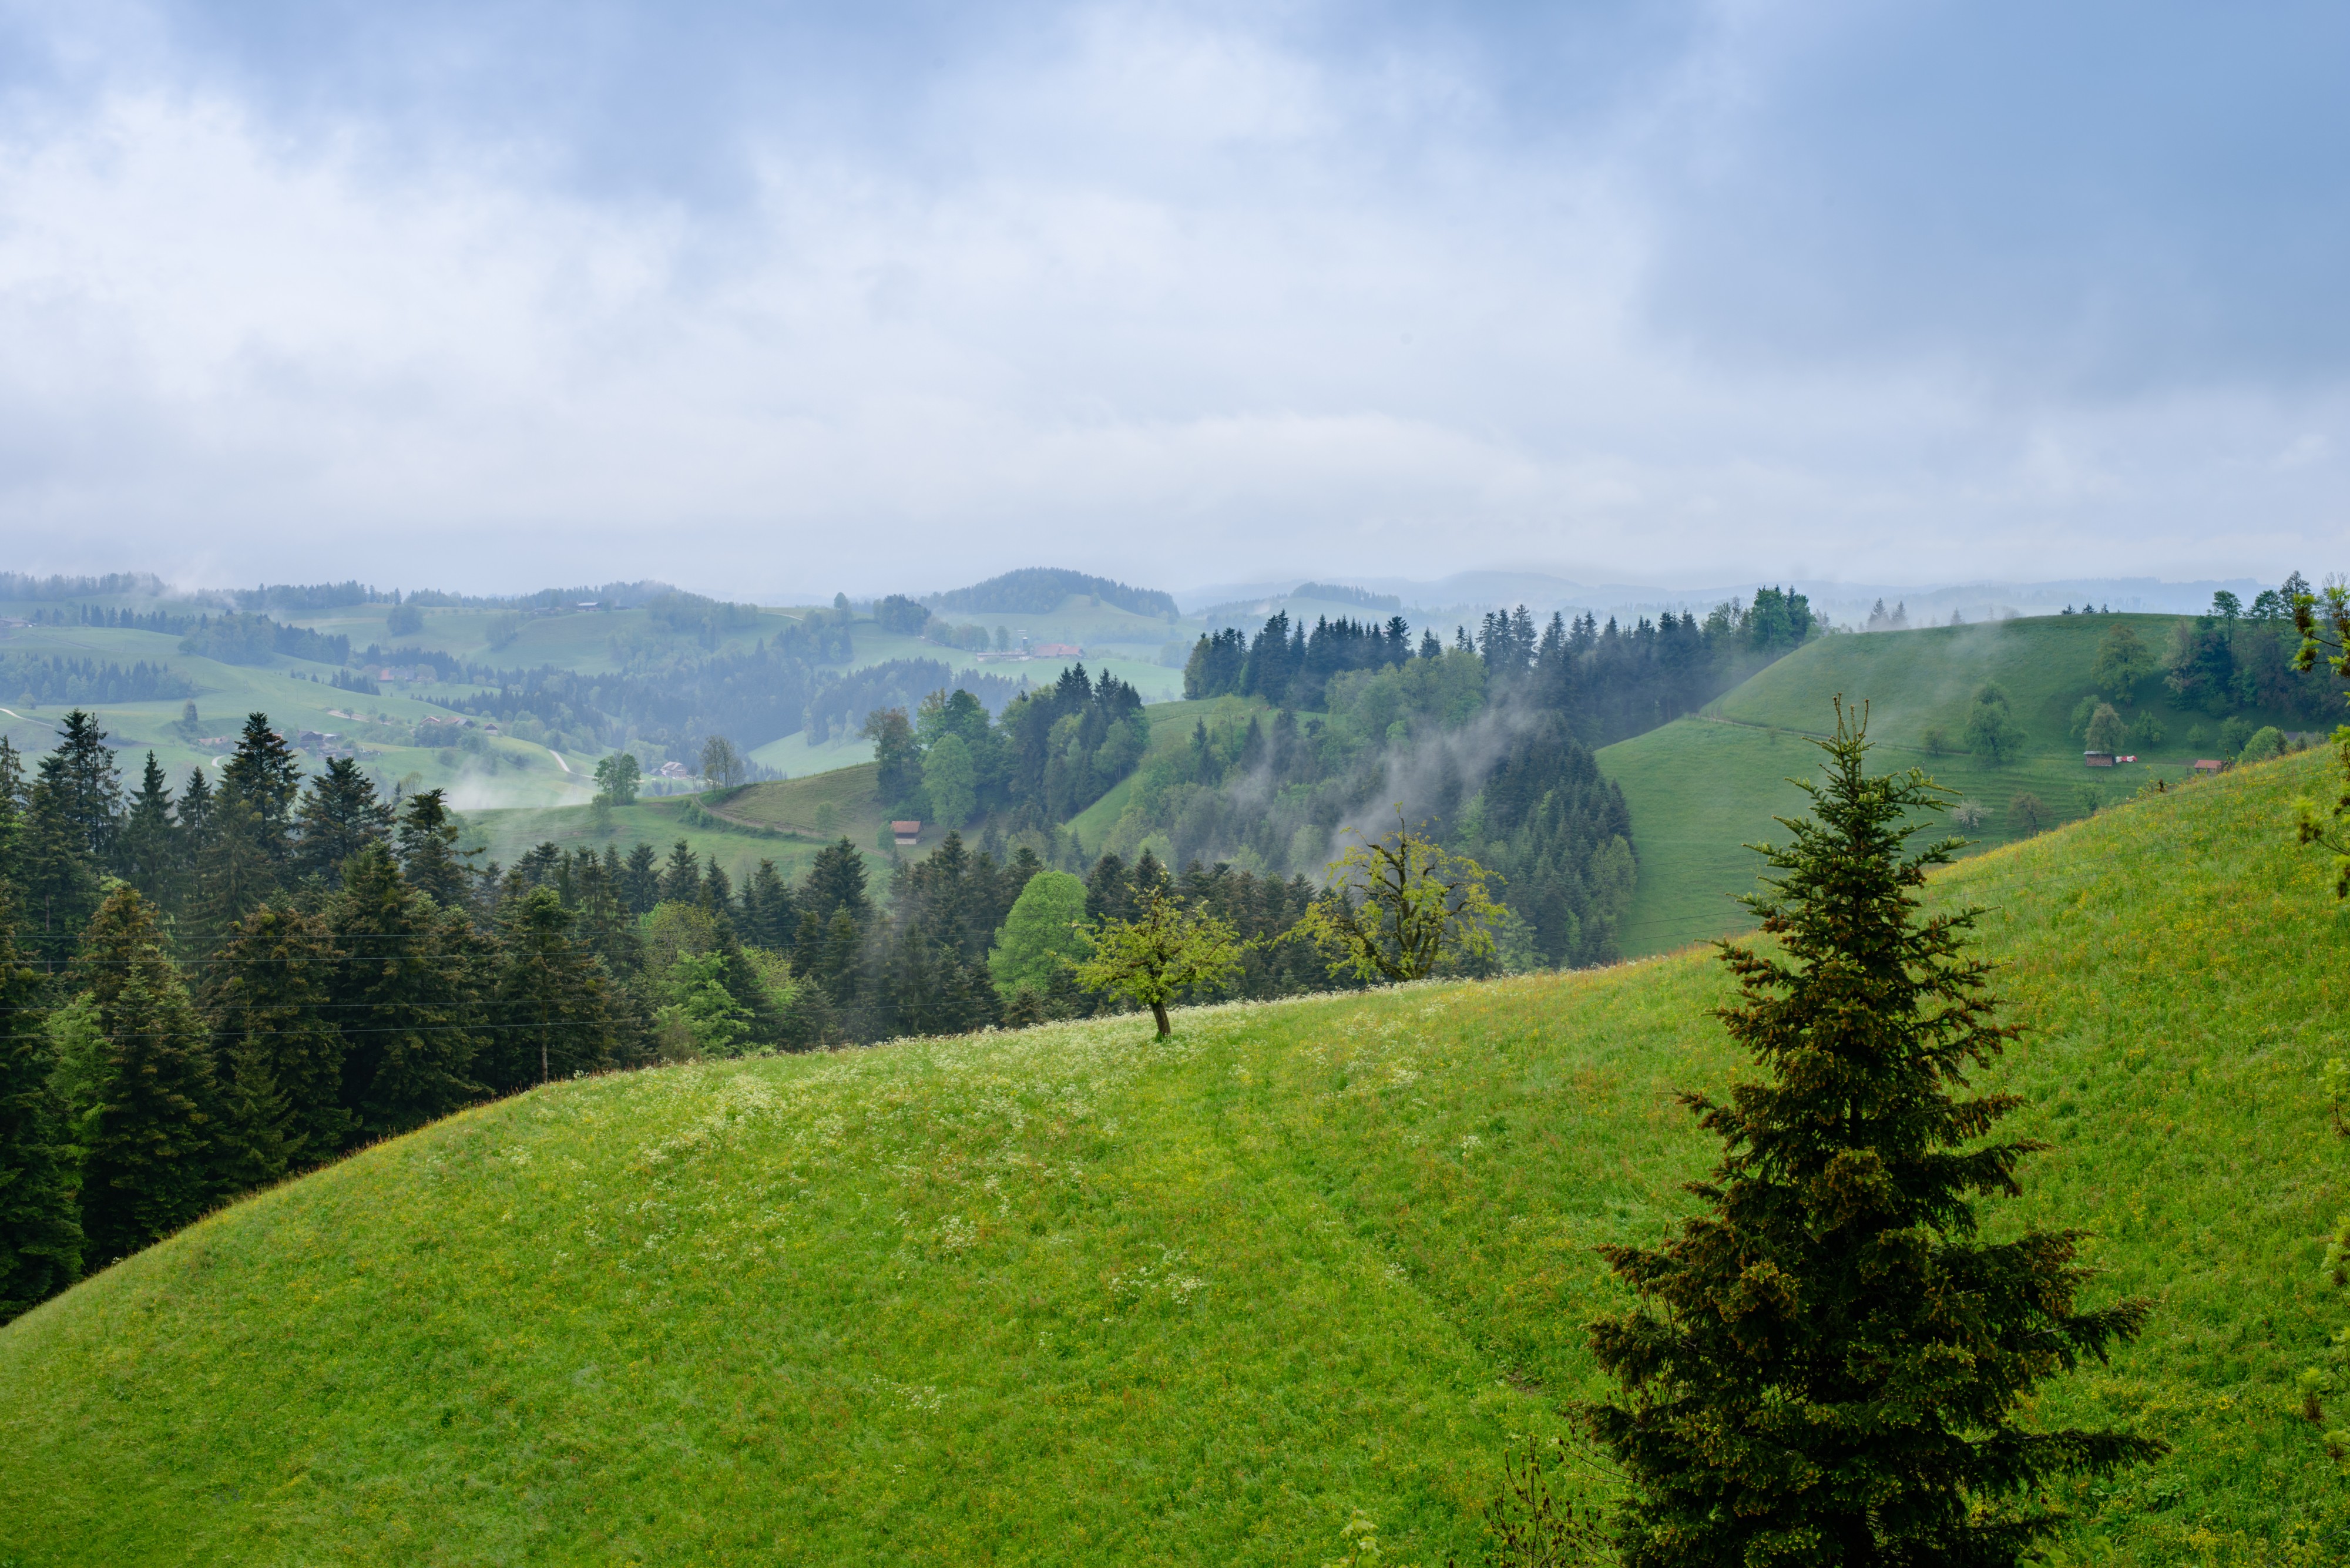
(1399,906)
(618,778)
(1167,949)
(2122,663)
(1827,1367)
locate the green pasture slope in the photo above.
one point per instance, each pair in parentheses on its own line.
(1068,1295)
(283,689)
(1700,787)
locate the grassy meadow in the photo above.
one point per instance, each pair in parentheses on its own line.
(777,821)
(296,695)
(1068,1295)
(1700,787)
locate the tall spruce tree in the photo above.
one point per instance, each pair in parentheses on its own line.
(767,916)
(149,1164)
(197,798)
(281,1057)
(681,881)
(14,885)
(54,871)
(267,776)
(1829,1365)
(554,1005)
(338,814)
(639,881)
(86,785)
(40,1219)
(406,991)
(148,850)
(429,852)
(236,872)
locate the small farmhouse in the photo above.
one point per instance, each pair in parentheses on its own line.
(2208,764)
(907,833)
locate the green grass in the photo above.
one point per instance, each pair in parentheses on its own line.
(505,835)
(1699,788)
(1069,1296)
(529,774)
(1912,680)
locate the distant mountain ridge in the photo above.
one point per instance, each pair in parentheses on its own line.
(1039,590)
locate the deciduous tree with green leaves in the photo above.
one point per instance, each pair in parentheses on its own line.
(1042,936)
(1828,1365)
(2323,620)
(2107,732)
(1401,906)
(1992,732)
(1167,949)
(2122,663)
(616,779)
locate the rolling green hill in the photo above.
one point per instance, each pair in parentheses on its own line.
(1068,1296)
(1700,787)
(297,697)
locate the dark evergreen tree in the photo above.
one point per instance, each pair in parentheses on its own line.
(832,949)
(250,1147)
(552,1005)
(405,992)
(338,814)
(605,924)
(1109,891)
(266,776)
(717,893)
(40,1219)
(194,815)
(275,1037)
(13,828)
(639,886)
(85,787)
(837,881)
(149,1164)
(681,881)
(57,873)
(428,854)
(236,872)
(1831,1368)
(768,915)
(148,852)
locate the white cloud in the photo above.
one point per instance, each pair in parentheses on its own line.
(1160,296)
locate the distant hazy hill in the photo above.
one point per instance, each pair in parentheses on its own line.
(1039,590)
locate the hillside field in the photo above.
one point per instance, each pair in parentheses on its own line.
(527,774)
(782,815)
(1066,1295)
(1701,787)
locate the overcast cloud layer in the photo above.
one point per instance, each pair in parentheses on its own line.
(768,300)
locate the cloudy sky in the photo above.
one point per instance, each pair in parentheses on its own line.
(776,299)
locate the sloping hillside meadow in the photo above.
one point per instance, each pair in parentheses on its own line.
(1069,1296)
(1701,787)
